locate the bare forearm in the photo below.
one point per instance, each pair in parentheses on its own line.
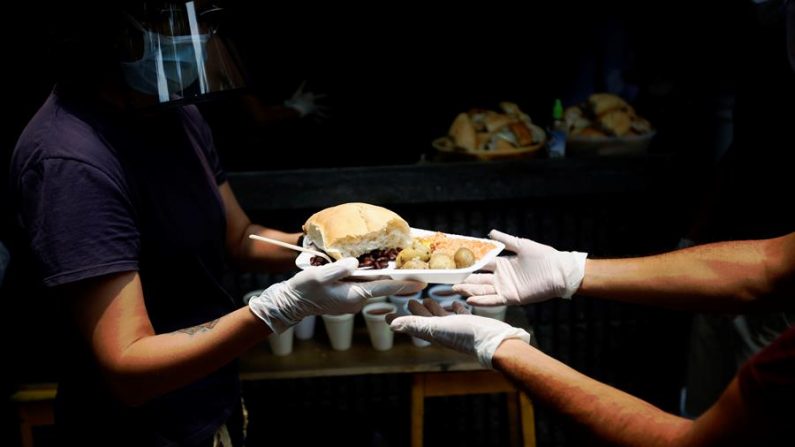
(250,254)
(610,414)
(617,418)
(157,364)
(727,276)
(258,256)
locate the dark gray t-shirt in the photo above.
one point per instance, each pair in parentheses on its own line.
(100,192)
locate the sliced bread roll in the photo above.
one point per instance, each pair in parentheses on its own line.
(353,229)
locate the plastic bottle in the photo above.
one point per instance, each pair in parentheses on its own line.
(557,133)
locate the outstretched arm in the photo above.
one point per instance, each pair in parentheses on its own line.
(609,414)
(724,276)
(617,417)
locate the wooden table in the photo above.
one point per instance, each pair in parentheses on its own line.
(436,371)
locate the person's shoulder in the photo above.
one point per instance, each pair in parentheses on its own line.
(57,133)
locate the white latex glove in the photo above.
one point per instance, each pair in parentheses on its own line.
(318,291)
(305,103)
(538,272)
(470,334)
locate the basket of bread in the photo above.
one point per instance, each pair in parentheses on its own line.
(605,124)
(490,135)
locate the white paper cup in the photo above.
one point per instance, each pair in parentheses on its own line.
(340,330)
(420,343)
(376,299)
(401,301)
(443,294)
(306,328)
(281,344)
(496,312)
(381,337)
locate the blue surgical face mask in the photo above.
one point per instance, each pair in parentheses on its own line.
(169,64)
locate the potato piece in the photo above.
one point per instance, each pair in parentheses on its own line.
(441,261)
(413,252)
(463,258)
(414,264)
(424,249)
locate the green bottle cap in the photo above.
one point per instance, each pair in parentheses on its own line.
(557,110)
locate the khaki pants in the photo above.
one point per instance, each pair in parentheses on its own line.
(222,438)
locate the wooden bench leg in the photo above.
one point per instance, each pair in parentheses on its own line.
(26,434)
(528,420)
(515,432)
(520,409)
(33,414)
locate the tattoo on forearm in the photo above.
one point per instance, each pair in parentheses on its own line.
(200,328)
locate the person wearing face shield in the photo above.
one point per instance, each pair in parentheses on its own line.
(130,219)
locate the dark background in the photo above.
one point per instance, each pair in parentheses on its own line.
(395,76)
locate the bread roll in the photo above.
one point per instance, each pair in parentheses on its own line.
(502,145)
(524,136)
(463,132)
(641,125)
(483,139)
(511,109)
(617,122)
(353,229)
(602,103)
(495,121)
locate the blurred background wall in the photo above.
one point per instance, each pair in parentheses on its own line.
(394,77)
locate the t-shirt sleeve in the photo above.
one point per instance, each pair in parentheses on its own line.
(79,219)
(767,380)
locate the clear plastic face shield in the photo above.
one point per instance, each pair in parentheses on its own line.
(177,55)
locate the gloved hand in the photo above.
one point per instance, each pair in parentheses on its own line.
(461,331)
(538,272)
(318,291)
(305,103)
